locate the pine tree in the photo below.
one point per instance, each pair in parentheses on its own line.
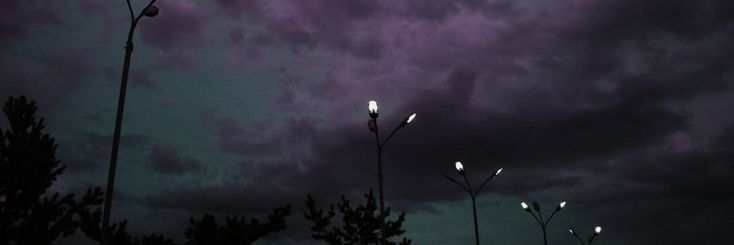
(29,213)
(236,230)
(360,225)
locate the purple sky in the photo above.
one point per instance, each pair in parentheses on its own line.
(622,108)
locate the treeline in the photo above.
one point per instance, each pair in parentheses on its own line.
(32,214)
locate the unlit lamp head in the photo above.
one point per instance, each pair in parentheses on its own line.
(151,11)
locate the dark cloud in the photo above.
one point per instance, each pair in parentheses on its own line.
(179,24)
(17,18)
(580,100)
(617,21)
(165,159)
(234,138)
(48,78)
(224,198)
(593,105)
(343,160)
(91,152)
(260,138)
(239,8)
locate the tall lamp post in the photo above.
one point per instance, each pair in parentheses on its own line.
(597,230)
(149,11)
(539,218)
(374,113)
(472,193)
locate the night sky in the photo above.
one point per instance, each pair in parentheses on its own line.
(625,109)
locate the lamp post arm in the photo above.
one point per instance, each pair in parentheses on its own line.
(578,238)
(130,8)
(591,239)
(468,185)
(391,134)
(458,183)
(141,12)
(485,183)
(542,221)
(551,216)
(536,219)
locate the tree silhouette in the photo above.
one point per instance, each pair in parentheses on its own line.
(29,214)
(360,225)
(90,217)
(236,230)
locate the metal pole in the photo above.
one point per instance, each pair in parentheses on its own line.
(380,176)
(476,225)
(118,122)
(116,139)
(545,238)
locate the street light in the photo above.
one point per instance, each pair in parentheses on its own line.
(150,11)
(372,108)
(597,230)
(459,167)
(539,218)
(472,193)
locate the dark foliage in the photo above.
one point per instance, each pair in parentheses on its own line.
(90,217)
(29,214)
(236,230)
(360,225)
(155,239)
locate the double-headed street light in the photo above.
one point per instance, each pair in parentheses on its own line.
(472,193)
(597,230)
(539,218)
(374,113)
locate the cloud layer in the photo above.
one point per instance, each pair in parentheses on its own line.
(595,101)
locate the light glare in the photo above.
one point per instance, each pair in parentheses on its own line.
(597,230)
(524,205)
(372,106)
(459,167)
(498,171)
(563,204)
(410,118)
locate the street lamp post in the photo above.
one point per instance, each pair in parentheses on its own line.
(374,113)
(150,11)
(472,193)
(539,218)
(597,230)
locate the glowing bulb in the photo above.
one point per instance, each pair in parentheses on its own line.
(563,204)
(597,230)
(410,118)
(498,171)
(524,206)
(372,106)
(570,230)
(459,167)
